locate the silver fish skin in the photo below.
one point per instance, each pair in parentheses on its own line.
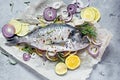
(56,37)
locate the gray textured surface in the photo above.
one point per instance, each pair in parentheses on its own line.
(107,69)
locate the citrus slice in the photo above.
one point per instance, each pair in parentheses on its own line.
(39,52)
(88,14)
(24,30)
(72,61)
(17,25)
(97,14)
(61,68)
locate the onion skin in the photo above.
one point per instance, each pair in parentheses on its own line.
(8,31)
(91,52)
(49,14)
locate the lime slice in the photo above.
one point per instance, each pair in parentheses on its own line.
(61,68)
(17,25)
(88,14)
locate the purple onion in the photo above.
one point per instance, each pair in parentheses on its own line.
(71,8)
(69,18)
(97,42)
(26,56)
(8,30)
(50,14)
(93,51)
(78,6)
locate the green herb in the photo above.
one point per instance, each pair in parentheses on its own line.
(27,49)
(87,29)
(60,57)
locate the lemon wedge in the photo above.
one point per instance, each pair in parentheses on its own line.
(73,61)
(61,68)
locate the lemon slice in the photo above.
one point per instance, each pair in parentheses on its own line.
(61,68)
(88,14)
(97,14)
(17,25)
(72,61)
(24,30)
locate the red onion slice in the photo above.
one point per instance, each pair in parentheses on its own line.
(93,51)
(26,56)
(8,30)
(71,8)
(49,14)
(81,4)
(96,42)
(69,18)
(78,6)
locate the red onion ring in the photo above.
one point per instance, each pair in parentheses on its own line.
(49,14)
(71,8)
(8,30)
(26,56)
(78,4)
(93,50)
(96,42)
(69,18)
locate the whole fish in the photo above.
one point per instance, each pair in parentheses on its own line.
(54,37)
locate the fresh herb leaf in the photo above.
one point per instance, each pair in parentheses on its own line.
(60,57)
(87,29)
(27,49)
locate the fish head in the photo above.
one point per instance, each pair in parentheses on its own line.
(75,35)
(77,41)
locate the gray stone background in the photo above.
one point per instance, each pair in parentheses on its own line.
(107,69)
